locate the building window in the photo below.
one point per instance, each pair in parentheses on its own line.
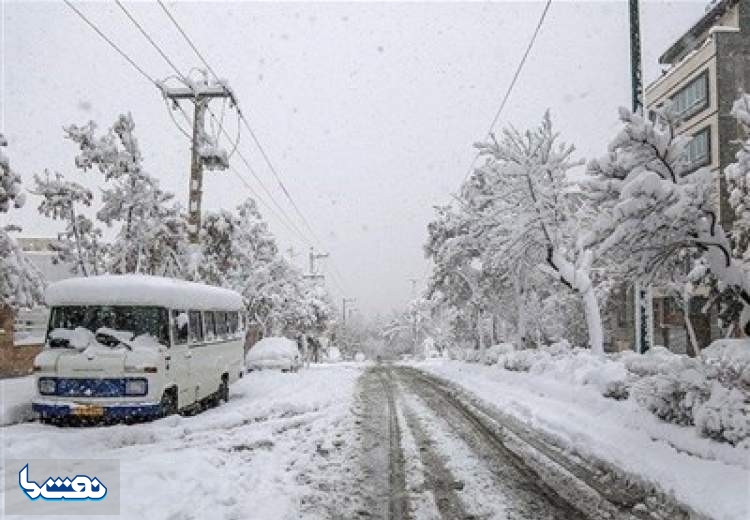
(698,150)
(692,98)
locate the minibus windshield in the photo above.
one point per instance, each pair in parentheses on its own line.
(136,320)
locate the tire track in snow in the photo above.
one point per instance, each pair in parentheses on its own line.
(509,488)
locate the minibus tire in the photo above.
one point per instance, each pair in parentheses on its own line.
(169,402)
(224,390)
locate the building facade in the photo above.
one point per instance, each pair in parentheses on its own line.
(703,73)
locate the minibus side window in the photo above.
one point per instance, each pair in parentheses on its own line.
(221,324)
(208,320)
(179,327)
(233,323)
(196,327)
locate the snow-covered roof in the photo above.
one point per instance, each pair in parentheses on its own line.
(141,290)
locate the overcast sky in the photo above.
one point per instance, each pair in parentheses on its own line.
(368,111)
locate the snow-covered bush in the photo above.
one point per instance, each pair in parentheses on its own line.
(495,351)
(673,396)
(725,415)
(730,358)
(523,360)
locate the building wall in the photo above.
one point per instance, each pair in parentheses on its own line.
(15,360)
(725,57)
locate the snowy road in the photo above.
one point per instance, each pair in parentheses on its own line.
(331,442)
(442,462)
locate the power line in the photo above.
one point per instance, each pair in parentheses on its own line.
(257,142)
(150,40)
(285,220)
(513,81)
(111,43)
(260,147)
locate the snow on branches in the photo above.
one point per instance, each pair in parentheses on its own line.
(21,284)
(150,239)
(80,245)
(738,180)
(654,208)
(10,183)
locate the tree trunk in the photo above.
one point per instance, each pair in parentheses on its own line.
(480,335)
(521,313)
(578,279)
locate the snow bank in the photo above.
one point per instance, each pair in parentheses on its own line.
(710,393)
(562,398)
(15,399)
(141,290)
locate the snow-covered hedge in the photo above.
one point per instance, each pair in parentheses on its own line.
(711,392)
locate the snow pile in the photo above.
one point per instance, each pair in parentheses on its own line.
(711,393)
(15,399)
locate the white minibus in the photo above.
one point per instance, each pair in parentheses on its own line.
(122,347)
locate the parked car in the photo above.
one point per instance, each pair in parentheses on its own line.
(275,353)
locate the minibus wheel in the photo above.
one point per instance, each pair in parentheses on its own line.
(169,402)
(224,389)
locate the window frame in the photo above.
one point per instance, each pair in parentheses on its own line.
(206,329)
(691,165)
(173,330)
(694,109)
(192,339)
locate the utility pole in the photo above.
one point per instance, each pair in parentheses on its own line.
(636,78)
(642,294)
(312,257)
(200,95)
(344,301)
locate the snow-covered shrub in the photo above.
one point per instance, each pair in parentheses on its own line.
(673,396)
(559,348)
(523,360)
(657,360)
(725,416)
(471,355)
(730,359)
(493,353)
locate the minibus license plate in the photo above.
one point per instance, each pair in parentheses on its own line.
(88,410)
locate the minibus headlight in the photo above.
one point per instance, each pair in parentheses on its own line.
(47,386)
(136,387)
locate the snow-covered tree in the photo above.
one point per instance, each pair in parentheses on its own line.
(521,201)
(21,284)
(239,252)
(151,237)
(413,325)
(653,208)
(81,243)
(738,180)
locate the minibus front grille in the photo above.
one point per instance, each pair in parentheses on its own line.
(90,387)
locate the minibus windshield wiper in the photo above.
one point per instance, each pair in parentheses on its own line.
(111,341)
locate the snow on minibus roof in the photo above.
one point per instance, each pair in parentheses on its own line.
(133,289)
